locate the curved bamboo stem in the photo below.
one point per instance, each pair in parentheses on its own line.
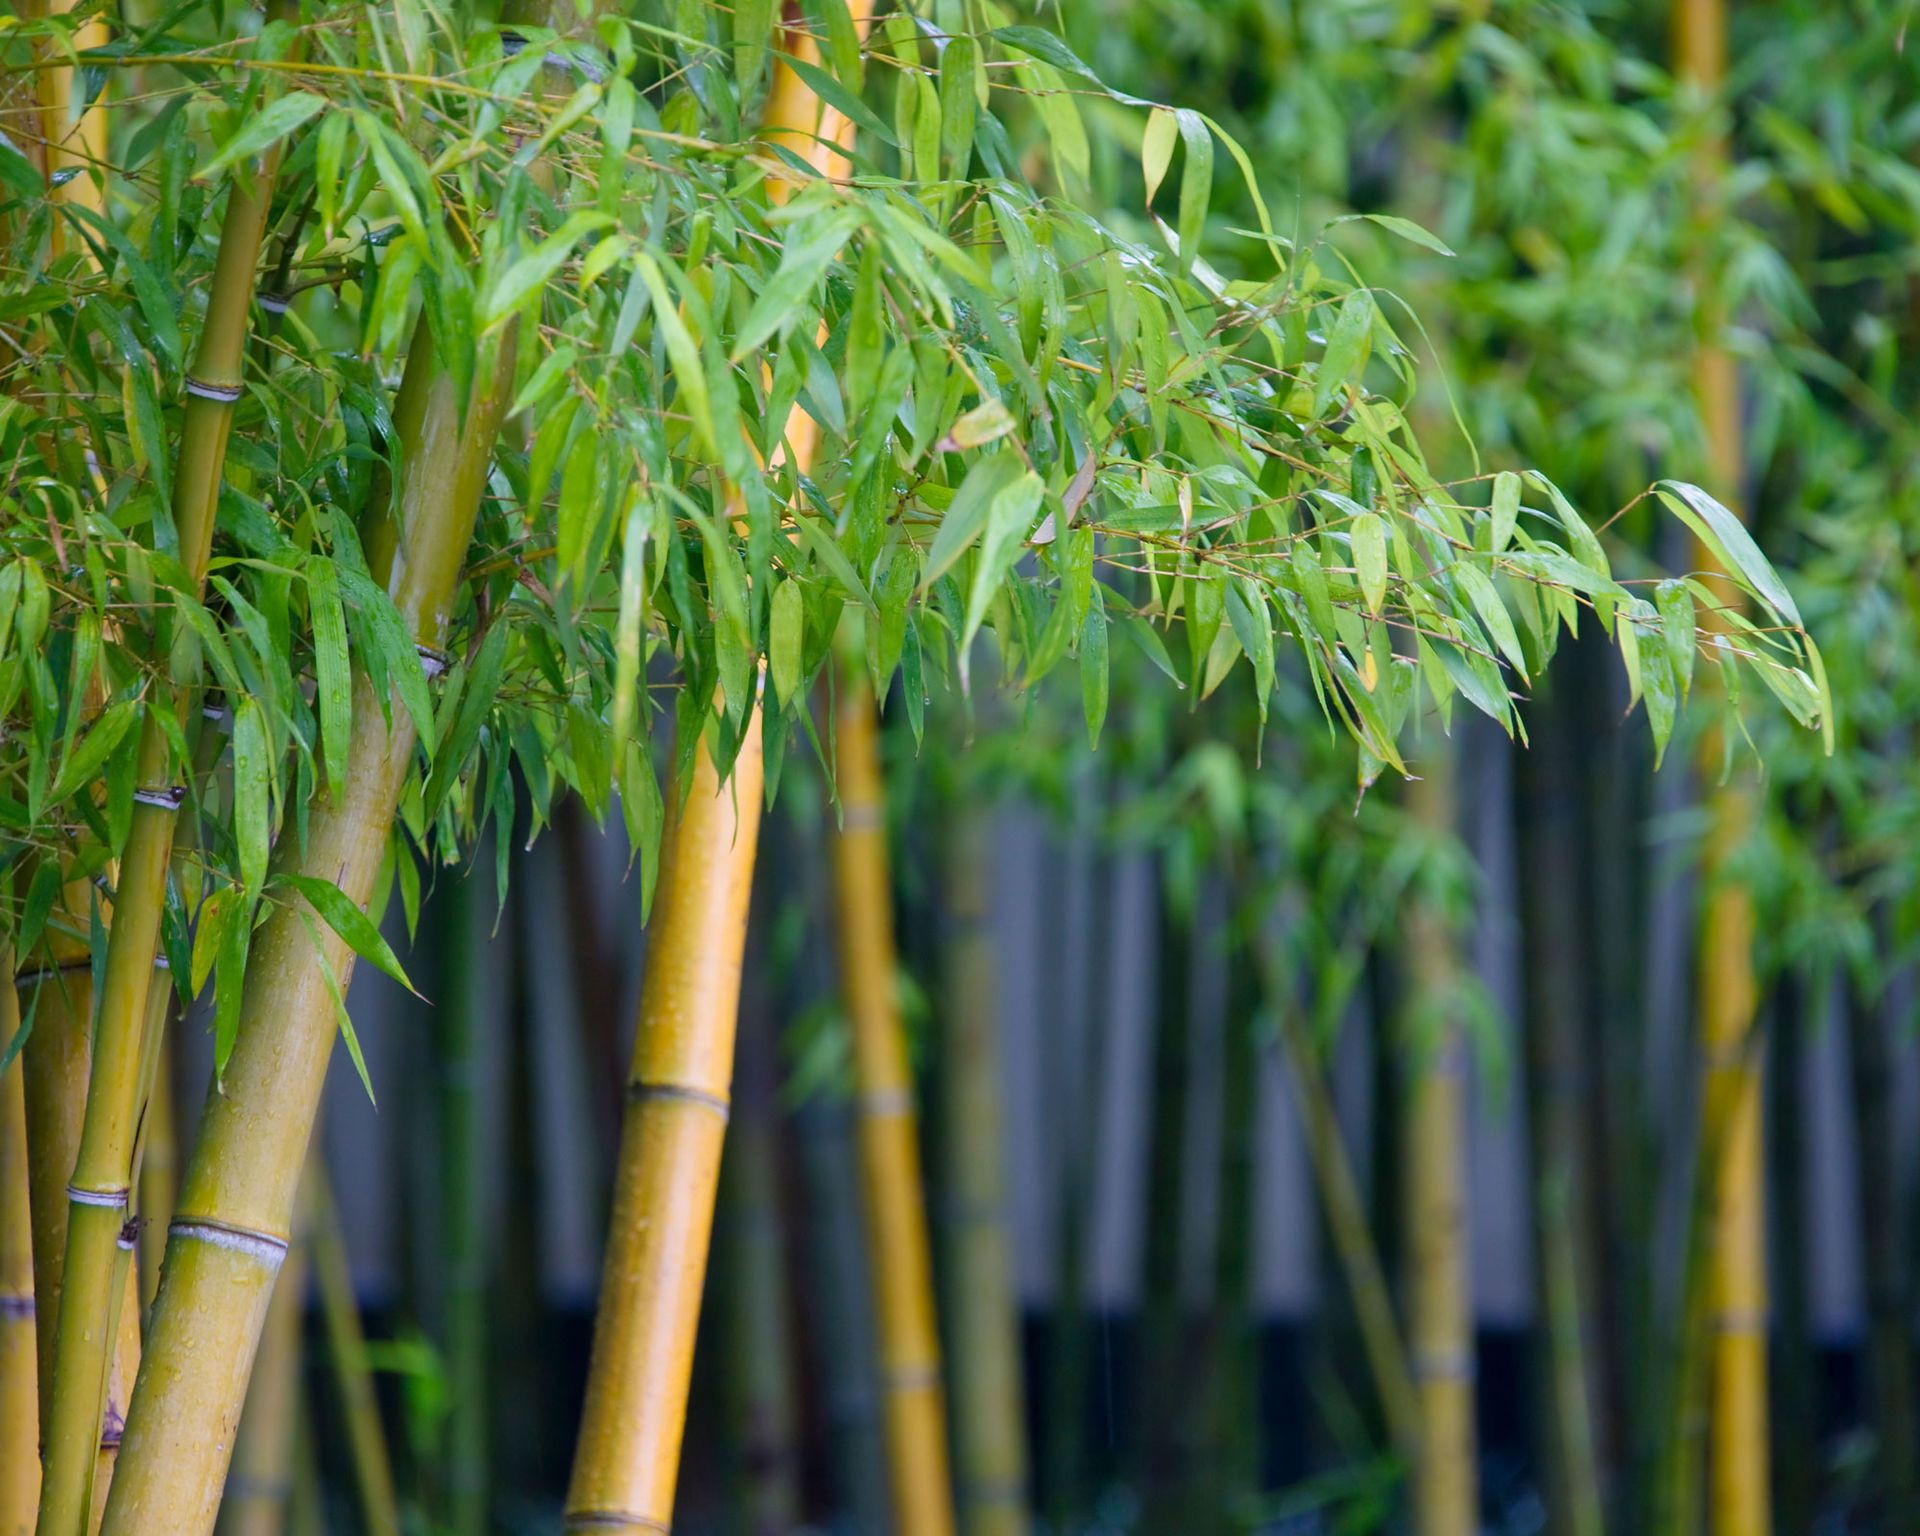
(1440,1304)
(19,1377)
(664,1188)
(127,1029)
(989,1413)
(913,1400)
(236,1205)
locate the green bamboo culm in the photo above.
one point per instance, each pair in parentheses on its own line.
(125,1043)
(236,1203)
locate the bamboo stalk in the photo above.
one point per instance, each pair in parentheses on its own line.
(1557,1090)
(465,1253)
(666,1180)
(159,1177)
(912,1397)
(989,1417)
(1738,1458)
(260,1483)
(19,1375)
(73,142)
(1346,1217)
(1440,1307)
(1889,1317)
(760,1388)
(347,1345)
(126,1030)
(229,1236)
(663,1199)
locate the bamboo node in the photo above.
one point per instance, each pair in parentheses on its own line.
(16,1306)
(169,797)
(640,1092)
(432,662)
(861,818)
(1444,1365)
(613,1520)
(886,1102)
(106,1199)
(264,1246)
(274,303)
(41,973)
(910,1378)
(222,394)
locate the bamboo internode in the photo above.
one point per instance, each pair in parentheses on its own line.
(1736,1290)
(1446,1496)
(669,1164)
(19,1377)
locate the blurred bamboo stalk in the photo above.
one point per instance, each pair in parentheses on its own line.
(1346,1216)
(1557,1090)
(19,1376)
(762,1411)
(989,1401)
(465,1259)
(1440,1302)
(347,1349)
(895,1193)
(1737,1289)
(1890,1359)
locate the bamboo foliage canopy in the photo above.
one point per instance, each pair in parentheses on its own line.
(1034,418)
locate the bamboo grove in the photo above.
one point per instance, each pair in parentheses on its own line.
(423,427)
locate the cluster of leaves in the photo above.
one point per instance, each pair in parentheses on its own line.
(1030,419)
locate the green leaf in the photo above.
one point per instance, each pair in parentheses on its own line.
(1485,598)
(786,640)
(264,128)
(1196,184)
(355,928)
(333,676)
(783,302)
(966,514)
(85,761)
(252,804)
(1093,666)
(829,89)
(1156,148)
(1506,509)
(1010,519)
(1406,229)
(340,1015)
(1726,537)
(534,269)
(821,543)
(1346,349)
(1369,536)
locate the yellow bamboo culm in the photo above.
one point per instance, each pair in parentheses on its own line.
(1440,1307)
(260,1480)
(1736,1290)
(627,1459)
(19,1375)
(229,1232)
(55,1066)
(628,1455)
(913,1399)
(74,135)
(989,1418)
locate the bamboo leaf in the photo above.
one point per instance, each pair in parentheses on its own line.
(355,928)
(229,979)
(340,1015)
(333,676)
(1506,509)
(251,795)
(824,85)
(966,514)
(84,762)
(1485,598)
(1727,538)
(1093,666)
(1369,536)
(786,640)
(1196,184)
(261,129)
